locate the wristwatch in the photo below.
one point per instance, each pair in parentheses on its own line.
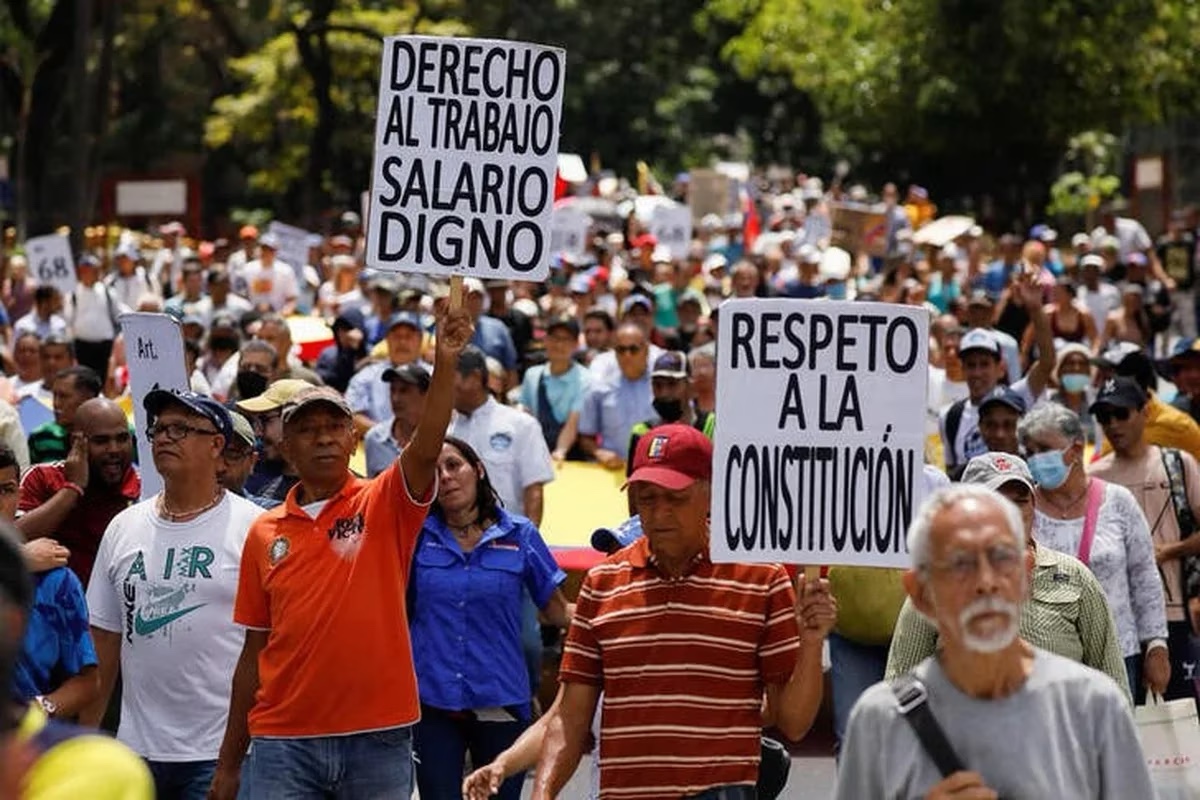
(48,705)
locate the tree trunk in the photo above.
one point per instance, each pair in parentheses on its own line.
(80,138)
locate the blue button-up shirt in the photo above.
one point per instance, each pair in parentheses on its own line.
(368,393)
(611,410)
(57,642)
(493,338)
(465,617)
(380,447)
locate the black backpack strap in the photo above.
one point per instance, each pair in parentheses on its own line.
(914,707)
(953,422)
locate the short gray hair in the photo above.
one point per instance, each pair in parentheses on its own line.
(705,352)
(939,501)
(1050,418)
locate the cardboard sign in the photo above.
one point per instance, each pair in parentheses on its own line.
(466,147)
(34,413)
(51,262)
(672,227)
(709,193)
(819,453)
(859,228)
(568,231)
(154,353)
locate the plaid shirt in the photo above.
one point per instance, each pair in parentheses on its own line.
(1066,614)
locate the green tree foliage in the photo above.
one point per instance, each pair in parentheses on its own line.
(1090,178)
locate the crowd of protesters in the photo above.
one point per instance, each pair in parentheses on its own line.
(274,625)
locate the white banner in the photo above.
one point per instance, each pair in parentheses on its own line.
(672,227)
(154,353)
(294,244)
(51,262)
(819,454)
(568,231)
(466,146)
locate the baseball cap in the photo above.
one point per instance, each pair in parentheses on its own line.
(1119,393)
(248,232)
(269,240)
(413,374)
(1071,349)
(690,295)
(993,470)
(672,364)
(129,251)
(714,262)
(313,396)
(1081,240)
(1091,260)
(979,339)
(1115,354)
(201,404)
(672,456)
(636,300)
(277,395)
(1185,347)
(569,324)
(473,286)
(610,540)
(242,430)
(645,240)
(579,284)
(1002,395)
(472,361)
(980,297)
(408,318)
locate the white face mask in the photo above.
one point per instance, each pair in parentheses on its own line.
(999,638)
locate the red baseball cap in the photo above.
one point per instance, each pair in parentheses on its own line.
(672,456)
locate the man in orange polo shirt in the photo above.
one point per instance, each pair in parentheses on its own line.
(682,648)
(324,693)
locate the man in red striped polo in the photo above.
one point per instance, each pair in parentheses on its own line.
(683,648)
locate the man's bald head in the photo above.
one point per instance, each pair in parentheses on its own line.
(109,442)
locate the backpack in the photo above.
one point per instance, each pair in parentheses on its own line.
(1186,519)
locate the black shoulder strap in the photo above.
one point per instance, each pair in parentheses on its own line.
(1173,465)
(914,707)
(953,422)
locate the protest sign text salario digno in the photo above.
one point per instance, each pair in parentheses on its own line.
(819,449)
(466,145)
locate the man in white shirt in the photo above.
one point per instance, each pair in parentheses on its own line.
(130,283)
(44,319)
(271,284)
(508,441)
(161,599)
(92,312)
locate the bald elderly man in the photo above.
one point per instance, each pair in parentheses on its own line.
(73,501)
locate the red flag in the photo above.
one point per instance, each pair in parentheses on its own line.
(751,225)
(560,186)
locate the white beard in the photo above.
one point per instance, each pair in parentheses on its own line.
(999,639)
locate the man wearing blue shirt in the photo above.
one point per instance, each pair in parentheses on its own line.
(553,392)
(491,335)
(368,395)
(611,409)
(383,443)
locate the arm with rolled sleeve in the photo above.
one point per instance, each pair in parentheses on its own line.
(1098,632)
(914,640)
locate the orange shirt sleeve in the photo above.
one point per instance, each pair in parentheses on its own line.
(781,641)
(251,607)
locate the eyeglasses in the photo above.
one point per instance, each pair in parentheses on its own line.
(104,440)
(176,431)
(1107,415)
(964,566)
(627,349)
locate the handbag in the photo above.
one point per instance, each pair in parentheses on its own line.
(1170,737)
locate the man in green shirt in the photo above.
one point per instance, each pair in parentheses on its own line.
(1067,612)
(71,388)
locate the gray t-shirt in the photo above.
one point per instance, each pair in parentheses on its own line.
(1067,733)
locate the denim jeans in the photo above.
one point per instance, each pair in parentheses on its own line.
(444,738)
(182,780)
(853,668)
(359,766)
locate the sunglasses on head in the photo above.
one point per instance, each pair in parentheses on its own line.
(1107,415)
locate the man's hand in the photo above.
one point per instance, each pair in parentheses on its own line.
(454,331)
(76,466)
(483,782)
(43,555)
(1157,670)
(609,460)
(962,786)
(1027,289)
(225,784)
(816,608)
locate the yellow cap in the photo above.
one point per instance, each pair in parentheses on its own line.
(277,395)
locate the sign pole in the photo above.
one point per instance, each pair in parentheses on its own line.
(456,292)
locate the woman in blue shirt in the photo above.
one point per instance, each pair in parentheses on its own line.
(471,563)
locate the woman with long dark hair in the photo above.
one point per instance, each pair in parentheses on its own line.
(470,566)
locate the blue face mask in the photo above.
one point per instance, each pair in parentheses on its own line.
(1074,382)
(1049,469)
(836,291)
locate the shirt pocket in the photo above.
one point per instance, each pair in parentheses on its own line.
(1055,609)
(502,570)
(434,576)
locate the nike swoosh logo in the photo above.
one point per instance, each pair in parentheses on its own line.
(146,627)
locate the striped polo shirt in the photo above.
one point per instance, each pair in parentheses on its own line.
(683,663)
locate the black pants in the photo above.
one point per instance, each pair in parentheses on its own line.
(94,355)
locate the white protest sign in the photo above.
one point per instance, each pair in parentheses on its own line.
(672,227)
(466,146)
(819,454)
(154,353)
(294,244)
(568,231)
(51,262)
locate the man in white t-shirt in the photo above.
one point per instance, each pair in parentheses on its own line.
(271,284)
(161,599)
(984,369)
(92,311)
(509,441)
(1098,295)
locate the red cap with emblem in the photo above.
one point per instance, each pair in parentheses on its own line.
(673,457)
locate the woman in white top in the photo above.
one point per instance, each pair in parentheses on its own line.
(1119,551)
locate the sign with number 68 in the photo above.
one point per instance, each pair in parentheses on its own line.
(51,262)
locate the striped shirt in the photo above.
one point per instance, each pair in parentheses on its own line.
(684,663)
(1067,614)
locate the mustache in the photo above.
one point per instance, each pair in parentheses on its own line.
(988,605)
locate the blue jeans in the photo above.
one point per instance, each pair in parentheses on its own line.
(360,766)
(182,780)
(444,738)
(854,668)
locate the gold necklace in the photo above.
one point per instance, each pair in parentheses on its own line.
(180,516)
(1063,508)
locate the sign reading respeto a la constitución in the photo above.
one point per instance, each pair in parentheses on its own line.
(466,147)
(819,453)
